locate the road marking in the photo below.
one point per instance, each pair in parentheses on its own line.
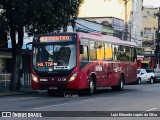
(51,106)
(151,109)
(24,98)
(66,103)
(151,89)
(126,93)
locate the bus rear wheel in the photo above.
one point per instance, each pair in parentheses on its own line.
(120,86)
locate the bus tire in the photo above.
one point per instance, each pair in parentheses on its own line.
(120,86)
(92,87)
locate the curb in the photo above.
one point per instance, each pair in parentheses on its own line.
(12,93)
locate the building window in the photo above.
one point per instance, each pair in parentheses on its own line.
(147,30)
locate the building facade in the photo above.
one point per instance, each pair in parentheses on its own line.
(116,24)
(129,11)
(150,25)
(104,25)
(134,21)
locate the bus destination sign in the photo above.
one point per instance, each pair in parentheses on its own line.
(55,38)
(42,64)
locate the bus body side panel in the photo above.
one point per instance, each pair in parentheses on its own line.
(92,68)
(102,71)
(130,71)
(116,72)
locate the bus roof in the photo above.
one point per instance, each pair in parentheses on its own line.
(100,37)
(109,39)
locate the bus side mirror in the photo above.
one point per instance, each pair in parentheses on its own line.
(28,48)
(81,49)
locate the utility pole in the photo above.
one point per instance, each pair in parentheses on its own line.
(157,50)
(125,21)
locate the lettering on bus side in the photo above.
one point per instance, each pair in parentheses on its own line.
(98,68)
(116,69)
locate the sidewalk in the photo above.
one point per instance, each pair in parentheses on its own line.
(26,89)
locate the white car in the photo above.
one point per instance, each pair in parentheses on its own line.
(157,75)
(145,75)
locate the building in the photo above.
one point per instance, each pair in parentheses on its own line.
(150,25)
(129,11)
(6,61)
(134,21)
(84,25)
(104,25)
(116,24)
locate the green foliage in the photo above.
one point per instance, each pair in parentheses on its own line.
(39,16)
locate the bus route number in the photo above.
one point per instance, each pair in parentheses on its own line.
(41,64)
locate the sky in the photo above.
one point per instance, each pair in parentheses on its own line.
(99,8)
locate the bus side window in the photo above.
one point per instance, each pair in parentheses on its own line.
(108,52)
(134,55)
(115,52)
(128,53)
(121,53)
(92,50)
(84,56)
(100,50)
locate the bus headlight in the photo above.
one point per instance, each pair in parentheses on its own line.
(34,78)
(73,77)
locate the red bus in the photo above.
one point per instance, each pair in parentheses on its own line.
(81,61)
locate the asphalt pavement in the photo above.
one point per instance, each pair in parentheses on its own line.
(4,89)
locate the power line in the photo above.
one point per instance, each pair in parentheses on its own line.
(93,30)
(135,39)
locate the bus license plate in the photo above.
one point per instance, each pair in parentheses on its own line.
(53,88)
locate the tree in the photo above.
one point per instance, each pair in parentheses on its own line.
(3,33)
(36,16)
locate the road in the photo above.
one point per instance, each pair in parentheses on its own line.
(140,98)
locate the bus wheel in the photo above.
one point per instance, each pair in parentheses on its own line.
(120,86)
(92,87)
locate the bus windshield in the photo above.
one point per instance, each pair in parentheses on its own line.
(54,57)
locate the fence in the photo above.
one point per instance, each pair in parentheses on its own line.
(6,77)
(26,79)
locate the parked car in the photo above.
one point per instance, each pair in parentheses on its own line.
(145,75)
(157,75)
